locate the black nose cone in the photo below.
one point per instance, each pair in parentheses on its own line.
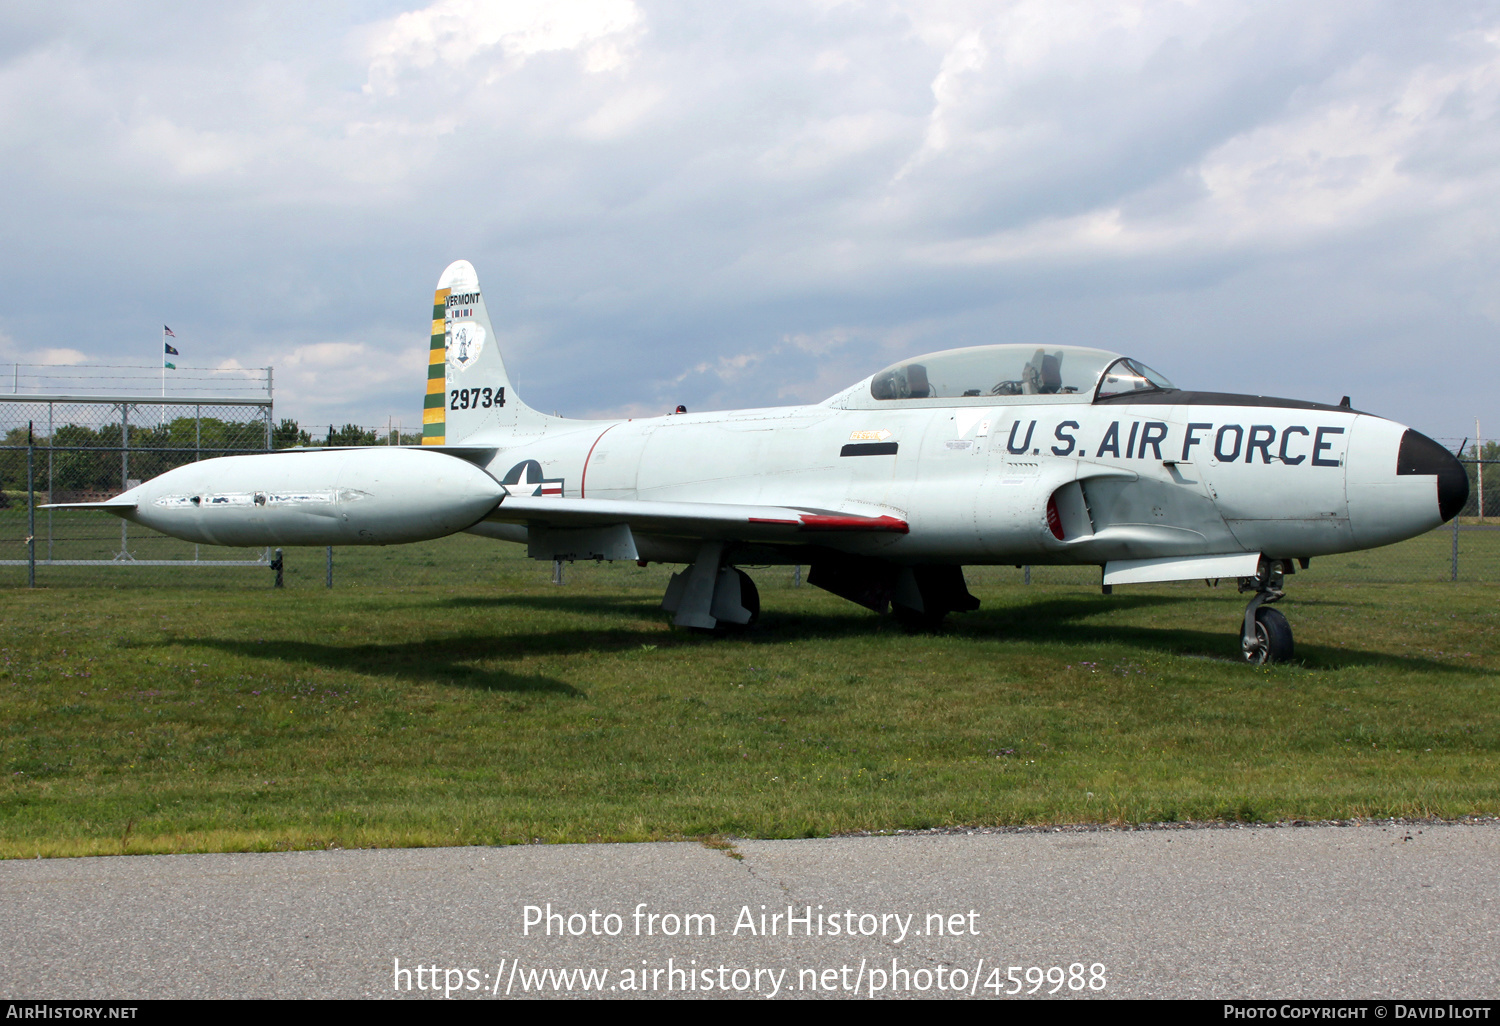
(1421,455)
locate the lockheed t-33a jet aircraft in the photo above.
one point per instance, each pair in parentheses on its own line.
(1001,454)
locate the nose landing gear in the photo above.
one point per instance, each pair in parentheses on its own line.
(1266,637)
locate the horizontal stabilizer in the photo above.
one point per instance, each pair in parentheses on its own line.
(476,454)
(1181,568)
(479,455)
(698,519)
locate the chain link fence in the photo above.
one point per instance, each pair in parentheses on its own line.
(63,448)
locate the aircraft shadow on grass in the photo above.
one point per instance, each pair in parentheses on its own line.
(448,660)
(1048,621)
(1053,620)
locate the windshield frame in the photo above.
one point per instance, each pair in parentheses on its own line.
(1155,380)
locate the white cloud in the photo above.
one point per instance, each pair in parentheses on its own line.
(962,62)
(832,144)
(13,352)
(622,113)
(57,357)
(1334,165)
(331,379)
(452,33)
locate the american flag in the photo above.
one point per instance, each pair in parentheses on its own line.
(168,331)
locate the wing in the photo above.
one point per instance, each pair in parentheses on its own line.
(709,520)
(635,529)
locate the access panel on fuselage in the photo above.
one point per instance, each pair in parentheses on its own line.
(1277,475)
(947,470)
(779,458)
(1168,496)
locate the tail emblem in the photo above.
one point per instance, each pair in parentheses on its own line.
(464,342)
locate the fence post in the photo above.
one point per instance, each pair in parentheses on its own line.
(1028,573)
(1479,459)
(49,482)
(125,472)
(797,576)
(557,571)
(330,566)
(276,564)
(30,507)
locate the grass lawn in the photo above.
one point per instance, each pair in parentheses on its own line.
(484,705)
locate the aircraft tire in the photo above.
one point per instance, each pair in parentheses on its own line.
(749,596)
(1274,635)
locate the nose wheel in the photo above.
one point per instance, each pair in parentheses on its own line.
(1265,636)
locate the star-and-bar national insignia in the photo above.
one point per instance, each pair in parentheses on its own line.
(526,479)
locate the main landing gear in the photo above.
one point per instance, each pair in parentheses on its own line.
(1266,637)
(710,595)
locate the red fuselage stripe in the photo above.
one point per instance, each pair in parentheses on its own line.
(583,479)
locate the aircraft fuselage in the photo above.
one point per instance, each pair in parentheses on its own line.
(973,482)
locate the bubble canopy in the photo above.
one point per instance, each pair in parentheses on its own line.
(987,372)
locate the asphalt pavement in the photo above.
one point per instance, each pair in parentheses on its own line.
(1368,911)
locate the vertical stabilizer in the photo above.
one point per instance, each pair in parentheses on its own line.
(469,395)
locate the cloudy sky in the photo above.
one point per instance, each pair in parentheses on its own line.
(740,205)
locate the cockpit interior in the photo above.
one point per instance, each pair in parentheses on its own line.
(1015,370)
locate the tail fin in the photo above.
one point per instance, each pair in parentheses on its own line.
(469,395)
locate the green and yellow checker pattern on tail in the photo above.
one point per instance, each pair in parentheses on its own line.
(434,417)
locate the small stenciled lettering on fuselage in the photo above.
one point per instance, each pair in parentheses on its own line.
(1292,445)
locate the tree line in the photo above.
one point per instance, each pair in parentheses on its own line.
(1491,457)
(80,457)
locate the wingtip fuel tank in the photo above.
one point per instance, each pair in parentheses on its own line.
(374,496)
